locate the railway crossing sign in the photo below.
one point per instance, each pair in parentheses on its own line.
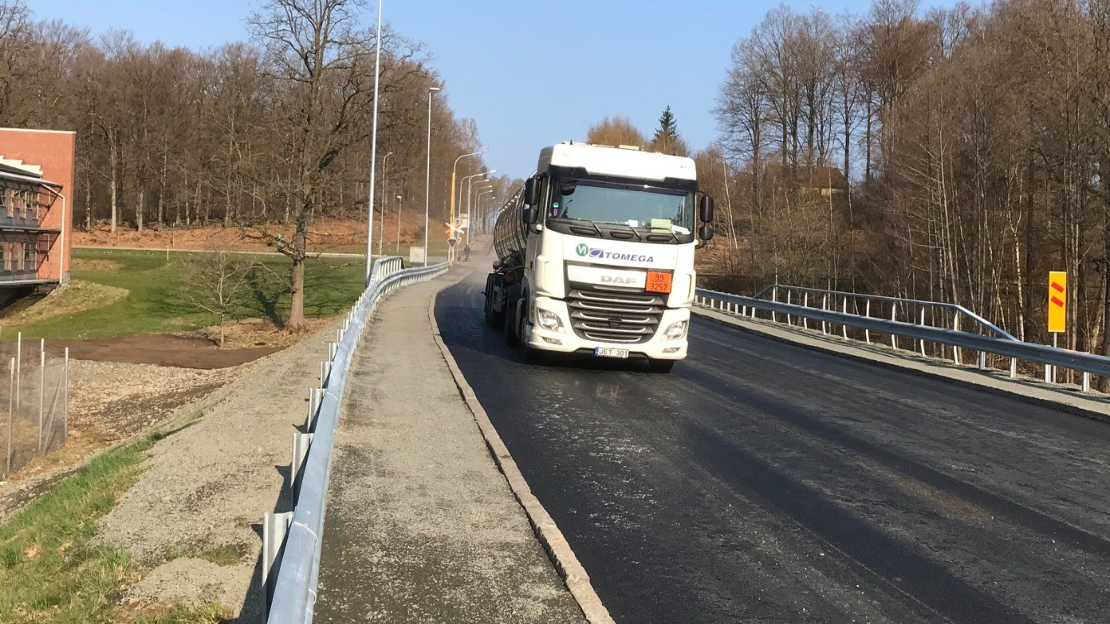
(1057,302)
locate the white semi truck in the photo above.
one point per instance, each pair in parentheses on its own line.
(596,254)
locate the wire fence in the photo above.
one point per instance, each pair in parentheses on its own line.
(34,401)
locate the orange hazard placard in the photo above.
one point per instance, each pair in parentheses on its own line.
(1057,301)
(658,281)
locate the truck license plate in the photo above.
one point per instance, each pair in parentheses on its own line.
(610,352)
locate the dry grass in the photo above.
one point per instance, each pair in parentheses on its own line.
(76,296)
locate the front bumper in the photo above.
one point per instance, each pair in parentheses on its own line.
(568,341)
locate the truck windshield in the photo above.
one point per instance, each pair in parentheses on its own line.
(637,206)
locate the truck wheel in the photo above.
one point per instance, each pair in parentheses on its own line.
(512,298)
(661,366)
(493,318)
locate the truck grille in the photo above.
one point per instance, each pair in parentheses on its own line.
(608,315)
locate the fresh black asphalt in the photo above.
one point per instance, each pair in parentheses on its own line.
(763,482)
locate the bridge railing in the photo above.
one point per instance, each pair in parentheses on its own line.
(292,540)
(908,319)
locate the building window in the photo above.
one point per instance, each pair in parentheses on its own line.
(6,249)
(9,201)
(30,257)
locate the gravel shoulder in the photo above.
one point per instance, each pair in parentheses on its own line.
(421,525)
(208,483)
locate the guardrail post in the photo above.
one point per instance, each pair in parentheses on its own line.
(1013,368)
(982,360)
(894,317)
(313,406)
(824,306)
(1048,373)
(1086,381)
(805,304)
(956,350)
(844,309)
(325,370)
(301,442)
(923,325)
(275,526)
(789,301)
(867,313)
(333,347)
(775,298)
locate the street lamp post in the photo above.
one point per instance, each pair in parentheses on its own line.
(479,202)
(453,167)
(470,185)
(427,173)
(479,189)
(398,247)
(374,147)
(385,202)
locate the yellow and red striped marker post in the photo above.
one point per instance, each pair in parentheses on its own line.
(1057,302)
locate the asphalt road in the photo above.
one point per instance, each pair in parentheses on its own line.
(762,482)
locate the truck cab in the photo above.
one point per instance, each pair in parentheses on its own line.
(596,254)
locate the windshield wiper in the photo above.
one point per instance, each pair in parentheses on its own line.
(630,229)
(600,234)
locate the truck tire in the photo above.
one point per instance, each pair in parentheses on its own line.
(660,366)
(510,321)
(494,318)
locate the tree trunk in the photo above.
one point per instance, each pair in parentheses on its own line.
(139,208)
(296,303)
(113,158)
(162,192)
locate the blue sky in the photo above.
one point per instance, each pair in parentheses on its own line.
(530,73)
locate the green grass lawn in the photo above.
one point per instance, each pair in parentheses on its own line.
(51,572)
(154,303)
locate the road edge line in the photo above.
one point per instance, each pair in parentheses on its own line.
(552,539)
(890,360)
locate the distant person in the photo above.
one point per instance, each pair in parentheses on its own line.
(466,253)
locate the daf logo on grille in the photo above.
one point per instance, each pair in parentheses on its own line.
(616,279)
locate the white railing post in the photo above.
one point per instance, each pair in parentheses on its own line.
(867,314)
(844,309)
(923,325)
(805,304)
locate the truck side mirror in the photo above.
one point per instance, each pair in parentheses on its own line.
(531,192)
(529,215)
(705,211)
(705,232)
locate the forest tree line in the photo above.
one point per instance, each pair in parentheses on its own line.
(273,131)
(173,136)
(974,145)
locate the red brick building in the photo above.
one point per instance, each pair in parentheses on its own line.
(36,206)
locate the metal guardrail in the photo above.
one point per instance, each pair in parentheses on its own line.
(907,307)
(1003,345)
(292,540)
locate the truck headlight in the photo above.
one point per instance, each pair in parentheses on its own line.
(548,320)
(676,330)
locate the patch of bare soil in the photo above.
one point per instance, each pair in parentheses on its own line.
(257,333)
(162,350)
(111,402)
(76,296)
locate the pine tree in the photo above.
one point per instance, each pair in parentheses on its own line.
(666,139)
